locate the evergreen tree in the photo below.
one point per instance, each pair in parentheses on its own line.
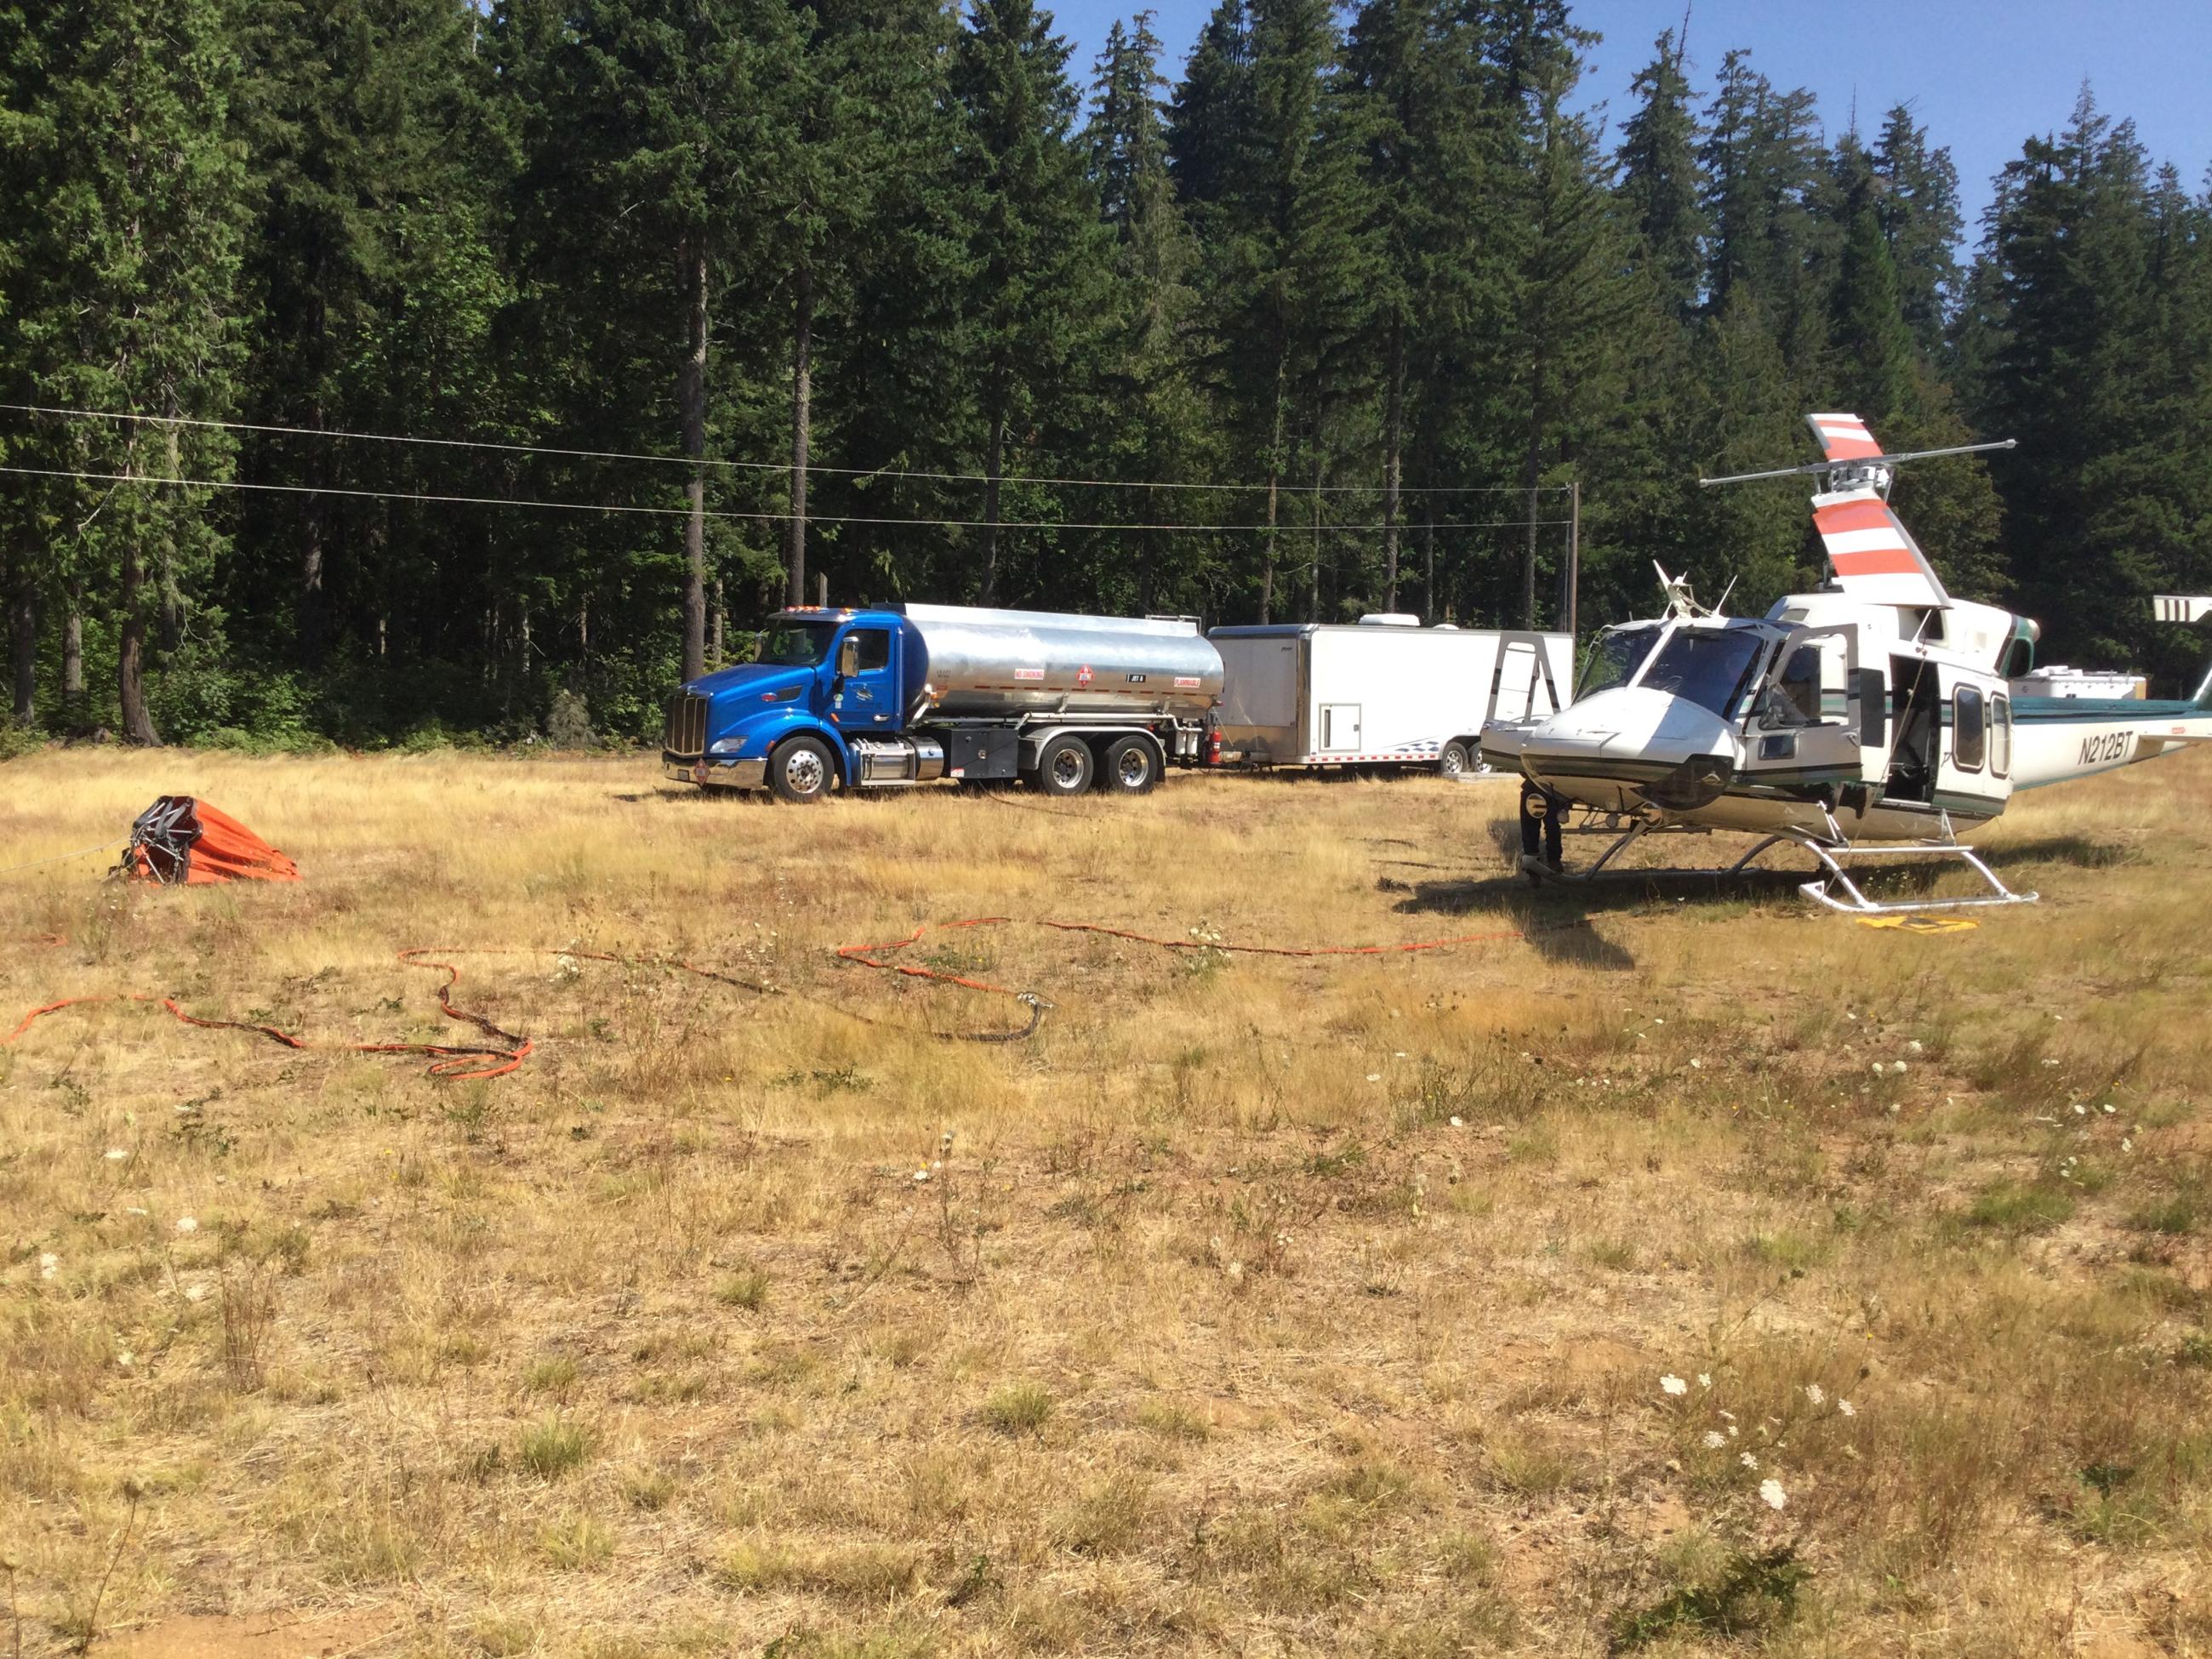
(1038,245)
(1148,423)
(1660,181)
(126,300)
(1917,204)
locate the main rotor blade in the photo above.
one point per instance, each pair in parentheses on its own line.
(1814,468)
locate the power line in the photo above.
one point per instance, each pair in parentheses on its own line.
(764,517)
(762,466)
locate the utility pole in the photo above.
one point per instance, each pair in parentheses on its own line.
(1574,553)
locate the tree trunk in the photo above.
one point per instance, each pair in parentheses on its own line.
(1532,469)
(802,417)
(1429,558)
(691,398)
(1313,588)
(73,660)
(131,655)
(23,641)
(1274,483)
(312,618)
(172,599)
(994,459)
(1394,415)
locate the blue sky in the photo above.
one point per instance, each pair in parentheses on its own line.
(1983,74)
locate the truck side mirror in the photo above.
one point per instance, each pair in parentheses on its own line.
(848,657)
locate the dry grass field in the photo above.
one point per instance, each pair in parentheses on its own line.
(1700,1272)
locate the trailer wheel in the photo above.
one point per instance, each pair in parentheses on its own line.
(1454,762)
(1132,766)
(802,770)
(1064,766)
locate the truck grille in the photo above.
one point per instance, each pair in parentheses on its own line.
(684,735)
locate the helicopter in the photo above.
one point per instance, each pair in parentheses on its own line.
(1876,718)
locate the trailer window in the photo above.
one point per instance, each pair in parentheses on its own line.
(796,644)
(1707,669)
(1968,735)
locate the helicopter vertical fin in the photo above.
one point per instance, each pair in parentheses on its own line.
(1872,553)
(1843,438)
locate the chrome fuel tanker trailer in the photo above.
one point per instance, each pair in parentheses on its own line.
(890,697)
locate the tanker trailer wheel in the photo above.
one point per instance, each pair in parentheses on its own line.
(1064,766)
(1133,767)
(1454,762)
(802,770)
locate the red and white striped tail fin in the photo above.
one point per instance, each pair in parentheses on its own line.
(1843,438)
(1872,553)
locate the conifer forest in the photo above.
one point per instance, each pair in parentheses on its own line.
(714,305)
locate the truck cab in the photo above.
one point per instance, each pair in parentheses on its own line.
(821,678)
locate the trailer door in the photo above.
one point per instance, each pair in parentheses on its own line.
(1517,669)
(1340,728)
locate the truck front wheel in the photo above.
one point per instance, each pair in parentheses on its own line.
(802,770)
(1064,766)
(1133,767)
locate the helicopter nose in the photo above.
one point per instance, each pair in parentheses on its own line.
(1636,743)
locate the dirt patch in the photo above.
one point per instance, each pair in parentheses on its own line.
(288,1635)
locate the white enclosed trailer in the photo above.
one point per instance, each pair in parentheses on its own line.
(1383,691)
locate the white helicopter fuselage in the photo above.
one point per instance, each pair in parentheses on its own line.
(1830,716)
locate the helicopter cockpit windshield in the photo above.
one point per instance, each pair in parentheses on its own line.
(1616,654)
(1709,667)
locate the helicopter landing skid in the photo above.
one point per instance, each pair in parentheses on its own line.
(1829,852)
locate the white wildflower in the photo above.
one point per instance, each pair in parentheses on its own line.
(2127,1144)
(1705,1379)
(2050,1062)
(921,1174)
(2106,1108)
(2079,1110)
(1715,1440)
(1898,1066)
(1771,1495)
(49,1264)
(1236,1272)
(1845,1407)
(125,1358)
(1673,1384)
(1729,1415)
(1375,1077)
(115,1154)
(1878,1068)
(1732,1431)
(1456,1124)
(1697,1065)
(195,1292)
(136,1209)
(1914,1045)
(1748,1461)
(1813,1393)
(186,1225)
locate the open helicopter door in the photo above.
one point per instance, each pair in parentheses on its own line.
(1820,719)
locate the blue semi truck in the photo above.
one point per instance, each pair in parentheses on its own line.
(908,694)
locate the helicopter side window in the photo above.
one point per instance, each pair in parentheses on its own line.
(1797,693)
(1969,736)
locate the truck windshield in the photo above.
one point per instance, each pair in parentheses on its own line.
(796,644)
(1709,669)
(1616,655)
